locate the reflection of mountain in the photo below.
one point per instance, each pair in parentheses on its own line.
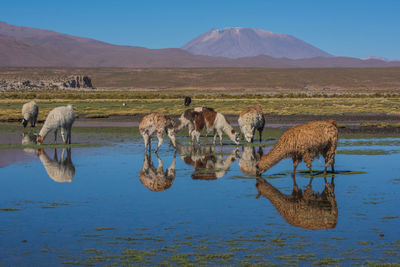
(207,165)
(248,159)
(303,209)
(60,171)
(156,179)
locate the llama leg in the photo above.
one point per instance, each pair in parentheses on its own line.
(220,137)
(146,140)
(190,129)
(296,161)
(160,140)
(215,137)
(69,136)
(55,136)
(171,136)
(308,160)
(63,135)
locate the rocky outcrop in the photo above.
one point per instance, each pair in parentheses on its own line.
(78,82)
(73,82)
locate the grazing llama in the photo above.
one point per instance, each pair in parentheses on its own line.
(305,141)
(60,171)
(30,113)
(156,123)
(306,209)
(60,117)
(199,118)
(250,120)
(156,179)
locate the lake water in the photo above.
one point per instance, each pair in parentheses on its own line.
(110,203)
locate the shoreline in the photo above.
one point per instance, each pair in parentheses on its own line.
(347,123)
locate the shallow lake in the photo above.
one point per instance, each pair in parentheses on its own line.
(106,201)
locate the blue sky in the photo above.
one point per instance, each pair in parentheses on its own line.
(357,28)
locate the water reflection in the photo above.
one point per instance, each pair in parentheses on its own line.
(154,178)
(60,171)
(308,209)
(207,164)
(29,139)
(248,159)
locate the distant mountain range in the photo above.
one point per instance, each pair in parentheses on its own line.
(24,46)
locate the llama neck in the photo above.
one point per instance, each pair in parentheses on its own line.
(275,155)
(45,130)
(228,129)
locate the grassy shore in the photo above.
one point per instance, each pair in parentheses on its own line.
(92,104)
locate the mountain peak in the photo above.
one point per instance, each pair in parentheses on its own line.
(236,42)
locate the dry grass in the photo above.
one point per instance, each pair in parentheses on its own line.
(11,108)
(355,79)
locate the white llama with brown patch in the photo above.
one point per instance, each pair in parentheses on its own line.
(304,142)
(199,118)
(156,124)
(206,164)
(250,120)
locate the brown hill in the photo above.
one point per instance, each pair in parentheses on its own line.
(24,46)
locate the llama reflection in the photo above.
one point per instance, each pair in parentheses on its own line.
(207,165)
(154,178)
(248,160)
(306,209)
(60,171)
(29,139)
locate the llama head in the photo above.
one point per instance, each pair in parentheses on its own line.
(24,122)
(236,137)
(39,139)
(248,133)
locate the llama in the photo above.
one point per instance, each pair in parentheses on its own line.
(60,117)
(156,179)
(201,117)
(60,171)
(188,100)
(188,118)
(250,120)
(30,113)
(206,164)
(305,141)
(248,160)
(306,209)
(156,123)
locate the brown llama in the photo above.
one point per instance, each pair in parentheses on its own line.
(304,142)
(250,120)
(156,123)
(306,209)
